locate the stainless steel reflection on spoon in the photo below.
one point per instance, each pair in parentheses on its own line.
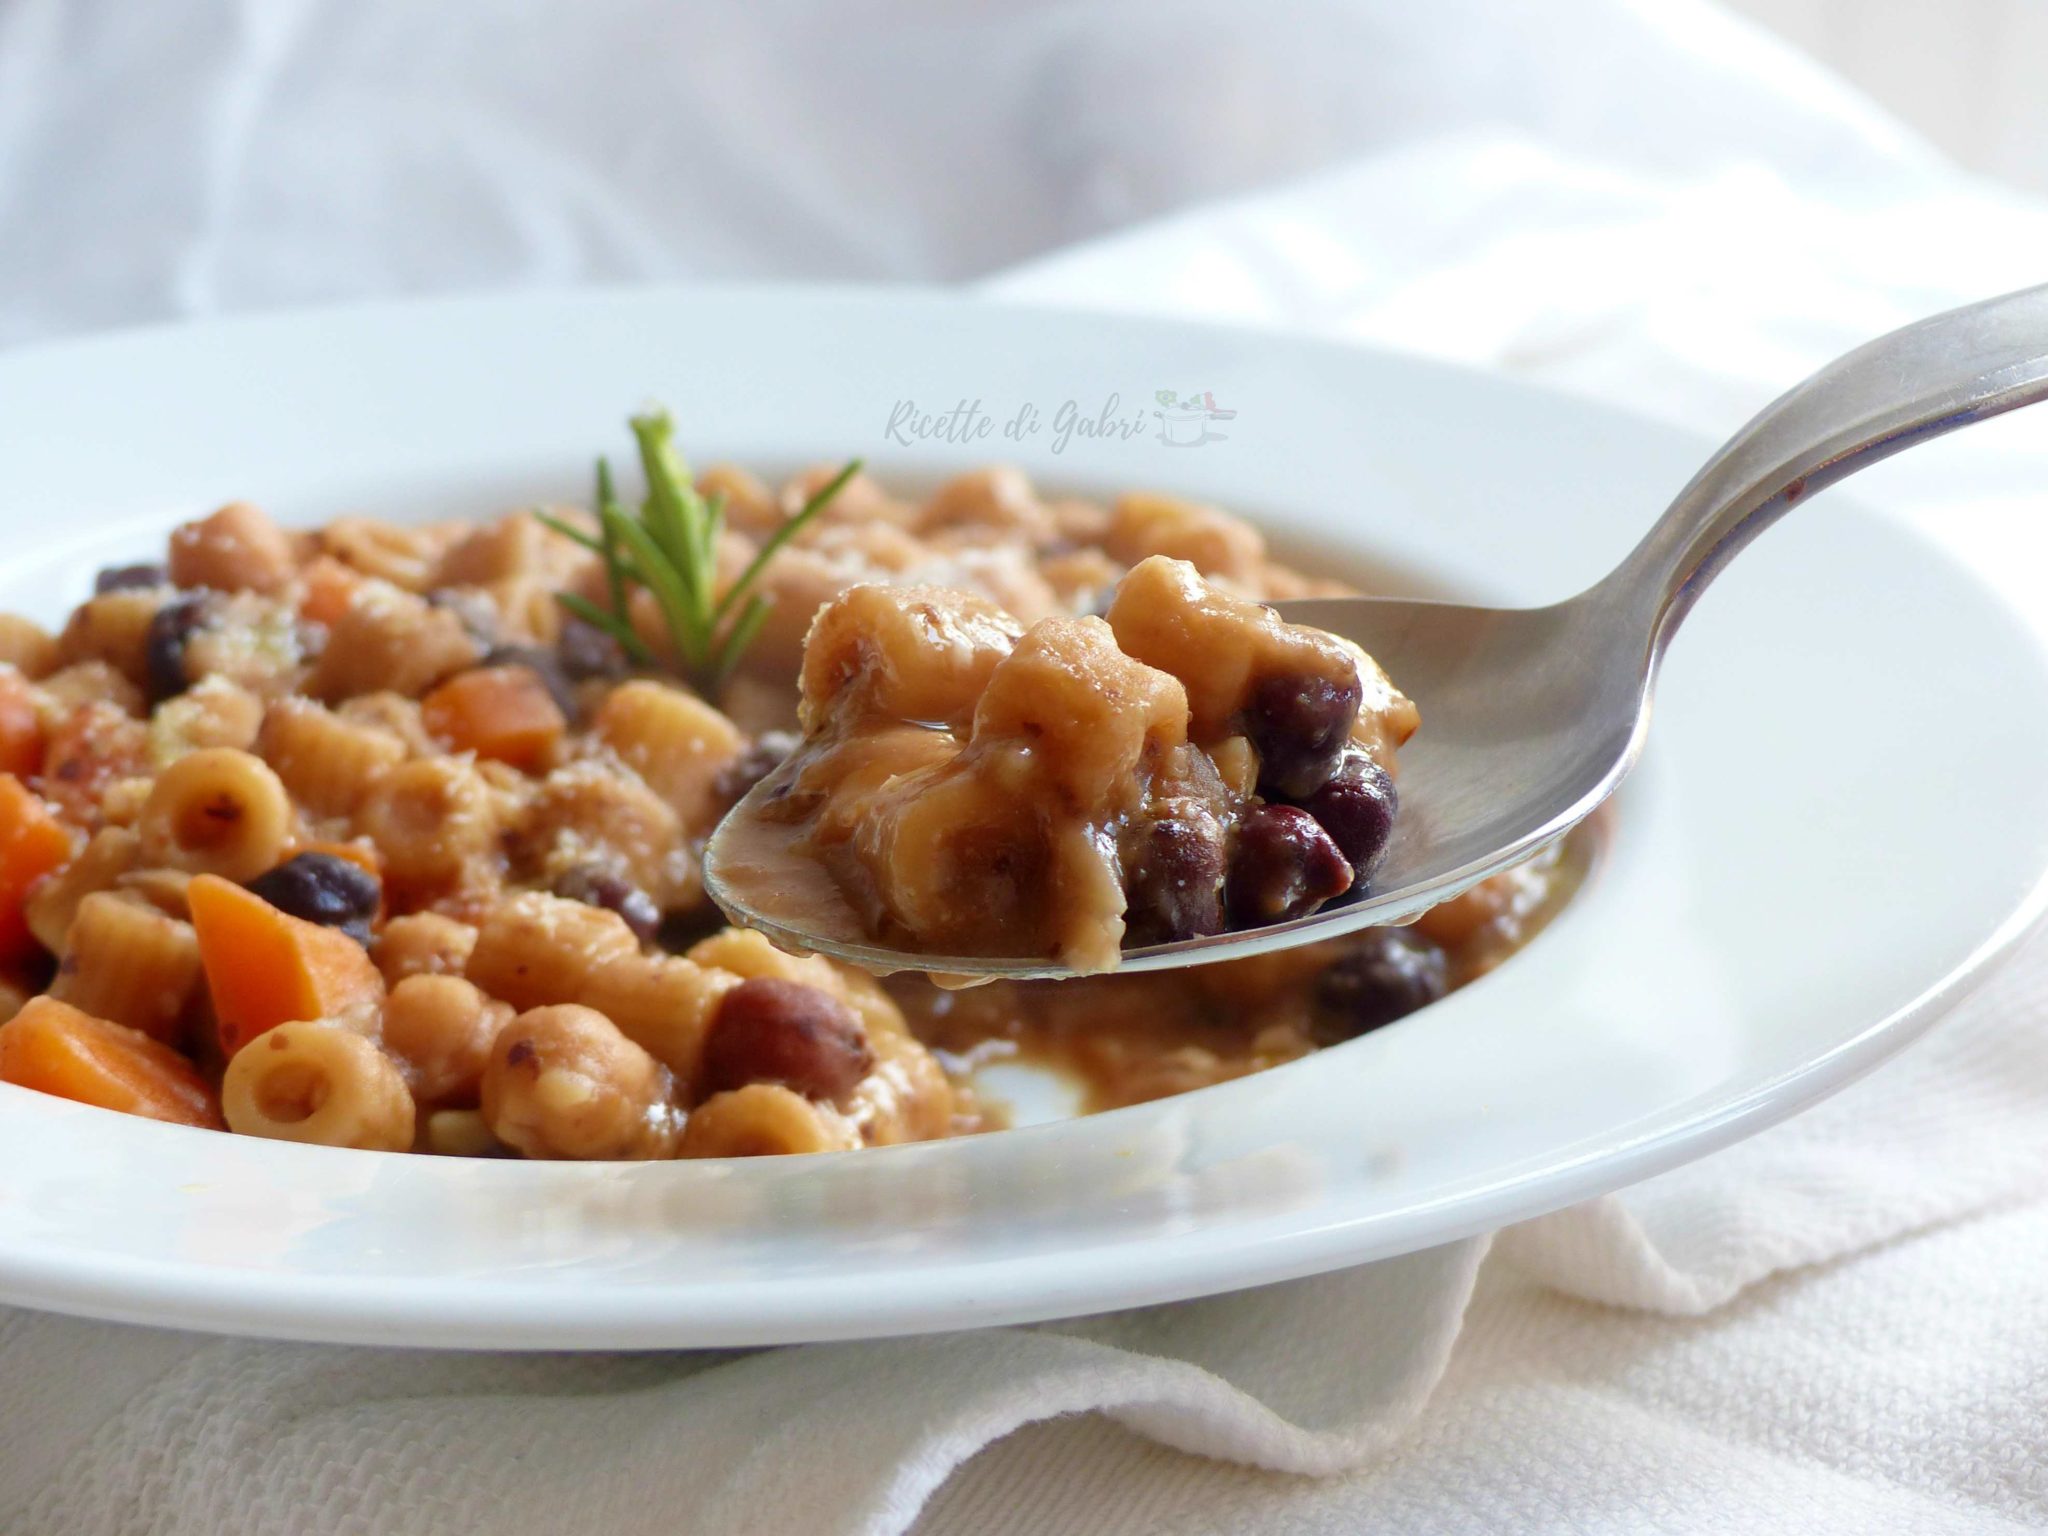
(1531,717)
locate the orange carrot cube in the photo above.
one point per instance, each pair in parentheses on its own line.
(265,967)
(33,842)
(504,713)
(55,1048)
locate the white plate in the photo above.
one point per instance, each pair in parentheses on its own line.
(1840,821)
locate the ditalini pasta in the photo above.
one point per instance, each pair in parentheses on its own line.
(321,1082)
(386,837)
(328,763)
(126,961)
(216,811)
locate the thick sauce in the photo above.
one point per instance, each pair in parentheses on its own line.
(1124,1039)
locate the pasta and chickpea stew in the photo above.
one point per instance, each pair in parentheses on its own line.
(388,837)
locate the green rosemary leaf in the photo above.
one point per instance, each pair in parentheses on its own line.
(819,501)
(674,515)
(615,565)
(670,537)
(568,530)
(740,638)
(714,528)
(670,547)
(618,568)
(662,580)
(610,623)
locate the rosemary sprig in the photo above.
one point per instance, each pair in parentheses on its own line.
(670,547)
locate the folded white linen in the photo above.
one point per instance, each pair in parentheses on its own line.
(1649,203)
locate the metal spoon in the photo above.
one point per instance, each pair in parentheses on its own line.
(1531,717)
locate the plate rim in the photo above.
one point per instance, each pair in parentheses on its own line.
(425,1311)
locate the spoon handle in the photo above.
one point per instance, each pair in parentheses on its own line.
(1920,381)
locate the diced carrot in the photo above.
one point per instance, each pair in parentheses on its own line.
(265,967)
(505,713)
(32,843)
(21,725)
(329,588)
(55,1048)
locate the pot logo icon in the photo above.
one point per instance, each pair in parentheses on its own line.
(1188,421)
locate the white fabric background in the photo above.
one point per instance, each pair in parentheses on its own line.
(1835,1326)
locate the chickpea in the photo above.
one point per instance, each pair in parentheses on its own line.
(441,1029)
(562,1082)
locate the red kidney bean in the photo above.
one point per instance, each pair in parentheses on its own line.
(323,889)
(1391,973)
(129,578)
(1283,865)
(1173,880)
(1301,724)
(171,629)
(768,1030)
(1356,807)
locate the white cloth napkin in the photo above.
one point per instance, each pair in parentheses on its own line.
(1834,1326)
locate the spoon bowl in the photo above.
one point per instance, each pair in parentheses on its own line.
(1531,717)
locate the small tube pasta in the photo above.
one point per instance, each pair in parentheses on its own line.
(113,628)
(392,713)
(330,764)
(91,747)
(862,501)
(82,684)
(584,807)
(537,949)
(121,802)
(514,546)
(1146,523)
(219,812)
(214,712)
(388,639)
(998,499)
(662,1003)
(402,556)
(248,639)
(53,902)
(318,1082)
(764,1120)
(747,952)
(749,505)
(527,610)
(126,962)
(23,736)
(918,653)
(562,1082)
(432,819)
(675,741)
